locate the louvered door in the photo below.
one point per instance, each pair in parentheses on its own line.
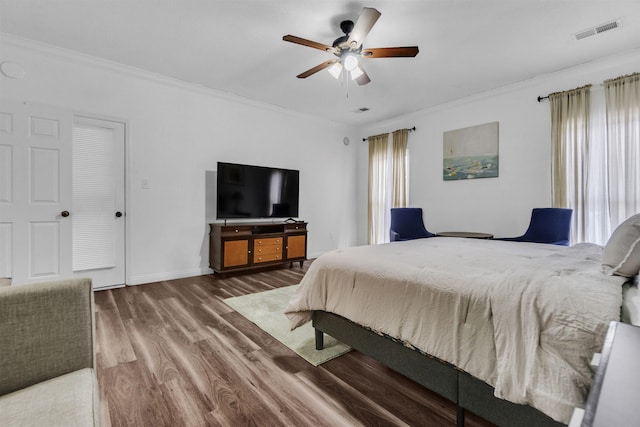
(98,220)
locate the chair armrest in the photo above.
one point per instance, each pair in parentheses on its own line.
(46,330)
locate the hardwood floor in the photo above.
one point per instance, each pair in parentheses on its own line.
(173,354)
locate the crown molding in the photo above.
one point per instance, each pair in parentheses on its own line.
(549,80)
(59,53)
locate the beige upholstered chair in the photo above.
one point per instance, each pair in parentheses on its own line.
(47,355)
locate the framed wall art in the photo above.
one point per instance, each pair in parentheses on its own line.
(470,153)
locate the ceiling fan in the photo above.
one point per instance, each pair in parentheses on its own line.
(348,48)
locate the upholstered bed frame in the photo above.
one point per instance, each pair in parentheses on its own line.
(467,392)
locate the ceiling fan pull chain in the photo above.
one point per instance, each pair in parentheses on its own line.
(346,82)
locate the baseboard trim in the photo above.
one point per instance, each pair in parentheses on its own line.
(107,287)
(171,275)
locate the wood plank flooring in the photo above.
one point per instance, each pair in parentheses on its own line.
(173,354)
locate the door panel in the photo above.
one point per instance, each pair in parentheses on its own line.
(236,253)
(6,174)
(45,128)
(296,246)
(44,176)
(44,241)
(6,237)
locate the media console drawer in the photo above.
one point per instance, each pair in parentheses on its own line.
(247,246)
(295,226)
(274,241)
(267,258)
(236,231)
(266,250)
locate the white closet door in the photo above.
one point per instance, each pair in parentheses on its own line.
(98,219)
(35,192)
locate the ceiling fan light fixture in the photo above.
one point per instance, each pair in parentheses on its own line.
(335,70)
(356,72)
(350,62)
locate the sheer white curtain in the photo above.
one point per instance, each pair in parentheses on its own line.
(596,156)
(388,181)
(597,228)
(570,148)
(400,169)
(379,177)
(623,146)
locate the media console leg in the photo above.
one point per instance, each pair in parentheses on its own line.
(301,262)
(319,339)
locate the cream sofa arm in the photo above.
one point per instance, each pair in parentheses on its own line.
(46,330)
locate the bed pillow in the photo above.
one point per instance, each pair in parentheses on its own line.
(621,255)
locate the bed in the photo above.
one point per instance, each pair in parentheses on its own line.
(503,329)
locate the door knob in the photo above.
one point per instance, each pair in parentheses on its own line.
(64,214)
(118,214)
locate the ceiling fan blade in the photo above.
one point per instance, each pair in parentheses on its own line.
(316,69)
(363,25)
(390,52)
(309,43)
(363,78)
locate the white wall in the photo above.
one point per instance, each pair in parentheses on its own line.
(177,132)
(501,206)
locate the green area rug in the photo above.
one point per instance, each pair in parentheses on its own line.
(266,310)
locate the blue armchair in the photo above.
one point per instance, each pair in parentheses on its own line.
(407,224)
(547,225)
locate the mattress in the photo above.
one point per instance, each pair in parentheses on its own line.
(525,318)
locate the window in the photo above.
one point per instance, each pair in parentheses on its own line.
(596,156)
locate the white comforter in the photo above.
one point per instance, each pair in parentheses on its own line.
(524,317)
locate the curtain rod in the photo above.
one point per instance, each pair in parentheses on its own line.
(540,98)
(410,130)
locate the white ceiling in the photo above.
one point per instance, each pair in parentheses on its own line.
(235,46)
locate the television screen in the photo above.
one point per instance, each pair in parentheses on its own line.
(245,191)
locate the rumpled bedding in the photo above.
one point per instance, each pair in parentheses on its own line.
(524,317)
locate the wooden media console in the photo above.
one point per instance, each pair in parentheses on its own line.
(248,246)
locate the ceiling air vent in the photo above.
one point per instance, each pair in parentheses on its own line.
(597,30)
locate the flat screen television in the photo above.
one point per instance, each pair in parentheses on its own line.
(251,192)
